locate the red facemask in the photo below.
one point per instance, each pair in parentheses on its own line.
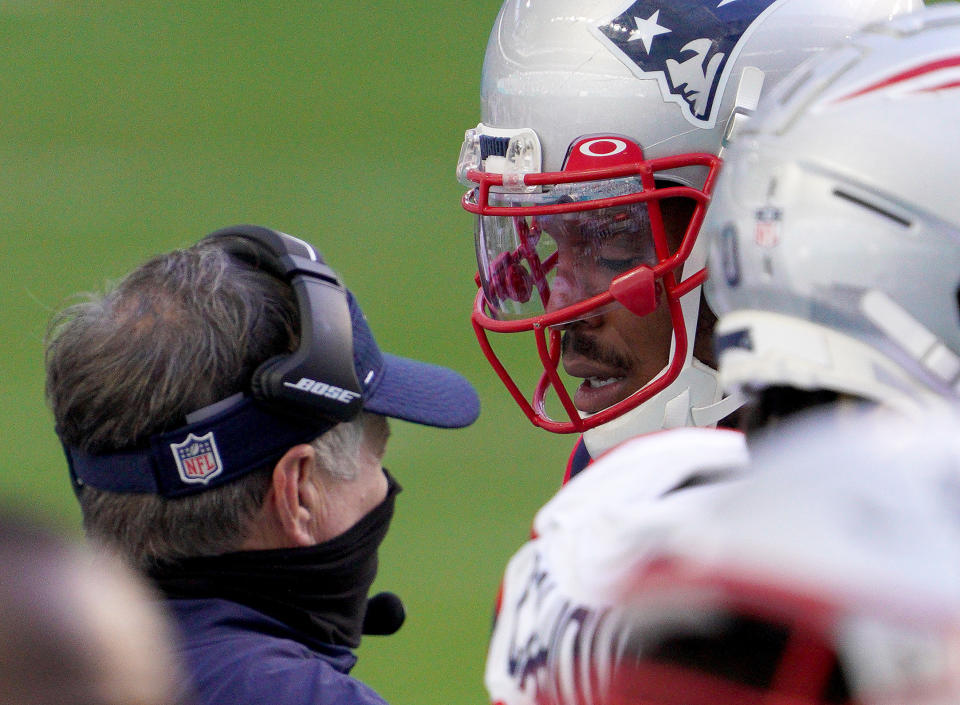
(561,247)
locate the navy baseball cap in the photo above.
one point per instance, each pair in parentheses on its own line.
(240,434)
(409,389)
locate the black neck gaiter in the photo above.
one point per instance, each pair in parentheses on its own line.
(321,590)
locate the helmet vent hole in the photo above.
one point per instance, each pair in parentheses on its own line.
(873,207)
(772,188)
(958,305)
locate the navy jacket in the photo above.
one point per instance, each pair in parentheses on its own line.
(579,460)
(239,656)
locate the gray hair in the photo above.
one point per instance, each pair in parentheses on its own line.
(182,331)
(338,450)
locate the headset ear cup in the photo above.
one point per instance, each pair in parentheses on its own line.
(319,378)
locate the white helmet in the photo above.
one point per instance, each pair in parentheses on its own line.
(835,227)
(590,173)
(829,574)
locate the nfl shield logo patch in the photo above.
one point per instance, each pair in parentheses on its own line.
(197,458)
(767,233)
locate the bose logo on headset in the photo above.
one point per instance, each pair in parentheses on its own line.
(322,389)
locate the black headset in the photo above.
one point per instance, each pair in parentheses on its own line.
(319,377)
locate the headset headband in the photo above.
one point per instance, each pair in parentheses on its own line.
(320,377)
(292,399)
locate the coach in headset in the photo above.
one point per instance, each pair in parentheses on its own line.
(224,414)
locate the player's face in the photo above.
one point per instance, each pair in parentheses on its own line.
(614,351)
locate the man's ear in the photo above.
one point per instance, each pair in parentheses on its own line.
(293,496)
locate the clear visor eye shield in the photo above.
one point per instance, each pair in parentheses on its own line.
(559,247)
(336,372)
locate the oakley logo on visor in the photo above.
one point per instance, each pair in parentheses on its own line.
(322,389)
(604,147)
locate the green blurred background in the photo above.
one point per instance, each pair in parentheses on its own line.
(129,128)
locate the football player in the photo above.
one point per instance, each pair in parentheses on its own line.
(584,242)
(827,575)
(601,127)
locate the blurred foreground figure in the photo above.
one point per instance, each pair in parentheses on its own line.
(835,228)
(830,574)
(77,629)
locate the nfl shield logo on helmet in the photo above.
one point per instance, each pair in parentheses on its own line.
(688,46)
(198,460)
(767,233)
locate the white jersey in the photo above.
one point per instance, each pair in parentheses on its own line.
(559,587)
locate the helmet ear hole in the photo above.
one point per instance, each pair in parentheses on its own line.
(677,213)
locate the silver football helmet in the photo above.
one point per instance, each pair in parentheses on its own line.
(835,227)
(589,175)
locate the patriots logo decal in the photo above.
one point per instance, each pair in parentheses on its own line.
(688,46)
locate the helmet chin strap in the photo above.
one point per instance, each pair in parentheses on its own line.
(694,398)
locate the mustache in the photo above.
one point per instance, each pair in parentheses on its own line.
(574,340)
